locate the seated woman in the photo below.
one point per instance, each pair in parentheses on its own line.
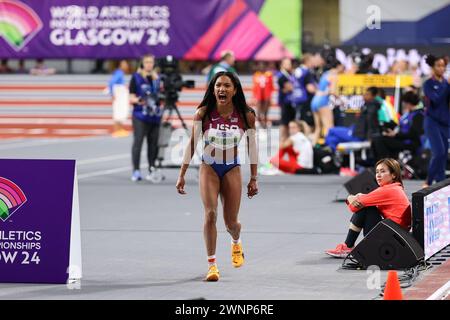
(388,201)
(299,149)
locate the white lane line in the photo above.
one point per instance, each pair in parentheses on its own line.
(47,142)
(103,172)
(440,293)
(28,144)
(104,159)
(61,132)
(58,121)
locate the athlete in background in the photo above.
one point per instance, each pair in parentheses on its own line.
(262,92)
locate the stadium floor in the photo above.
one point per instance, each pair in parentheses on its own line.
(144,241)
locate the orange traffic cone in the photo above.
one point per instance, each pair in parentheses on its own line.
(392,291)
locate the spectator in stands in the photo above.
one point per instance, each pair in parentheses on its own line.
(304,89)
(416,74)
(365,64)
(299,150)
(400,67)
(272,67)
(98,68)
(388,201)
(285,88)
(366,126)
(4,67)
(437,118)
(40,69)
(320,104)
(120,98)
(407,136)
(369,126)
(416,90)
(262,92)
(147,113)
(226,63)
(21,69)
(411,88)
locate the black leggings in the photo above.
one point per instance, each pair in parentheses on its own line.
(389,147)
(366,218)
(143,130)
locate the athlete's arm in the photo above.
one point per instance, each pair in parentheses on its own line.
(190,148)
(195,137)
(252,187)
(333,84)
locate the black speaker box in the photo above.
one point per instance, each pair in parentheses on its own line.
(364,182)
(389,247)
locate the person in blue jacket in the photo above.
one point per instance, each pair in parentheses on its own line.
(147,113)
(437,117)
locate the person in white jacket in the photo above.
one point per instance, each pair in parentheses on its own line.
(120,99)
(299,150)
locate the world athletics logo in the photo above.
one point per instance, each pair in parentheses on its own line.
(11,198)
(18,23)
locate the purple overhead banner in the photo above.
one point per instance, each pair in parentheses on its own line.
(194,29)
(87,29)
(39,221)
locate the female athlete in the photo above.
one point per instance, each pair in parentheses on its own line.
(222,118)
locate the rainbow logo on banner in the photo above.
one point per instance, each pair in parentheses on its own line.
(11,198)
(18,23)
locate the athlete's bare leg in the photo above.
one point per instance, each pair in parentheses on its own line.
(230,194)
(317,127)
(326,116)
(265,109)
(209,184)
(260,113)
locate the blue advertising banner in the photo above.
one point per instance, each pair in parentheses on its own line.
(39,221)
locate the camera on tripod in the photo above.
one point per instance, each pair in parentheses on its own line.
(172,80)
(172,83)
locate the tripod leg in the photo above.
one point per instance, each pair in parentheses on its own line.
(183,124)
(172,106)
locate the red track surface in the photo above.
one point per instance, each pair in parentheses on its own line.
(60,124)
(430,283)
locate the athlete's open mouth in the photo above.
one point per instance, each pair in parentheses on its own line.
(222,97)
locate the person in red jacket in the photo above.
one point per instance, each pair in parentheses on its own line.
(388,201)
(262,92)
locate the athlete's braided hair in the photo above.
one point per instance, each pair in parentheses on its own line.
(209,100)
